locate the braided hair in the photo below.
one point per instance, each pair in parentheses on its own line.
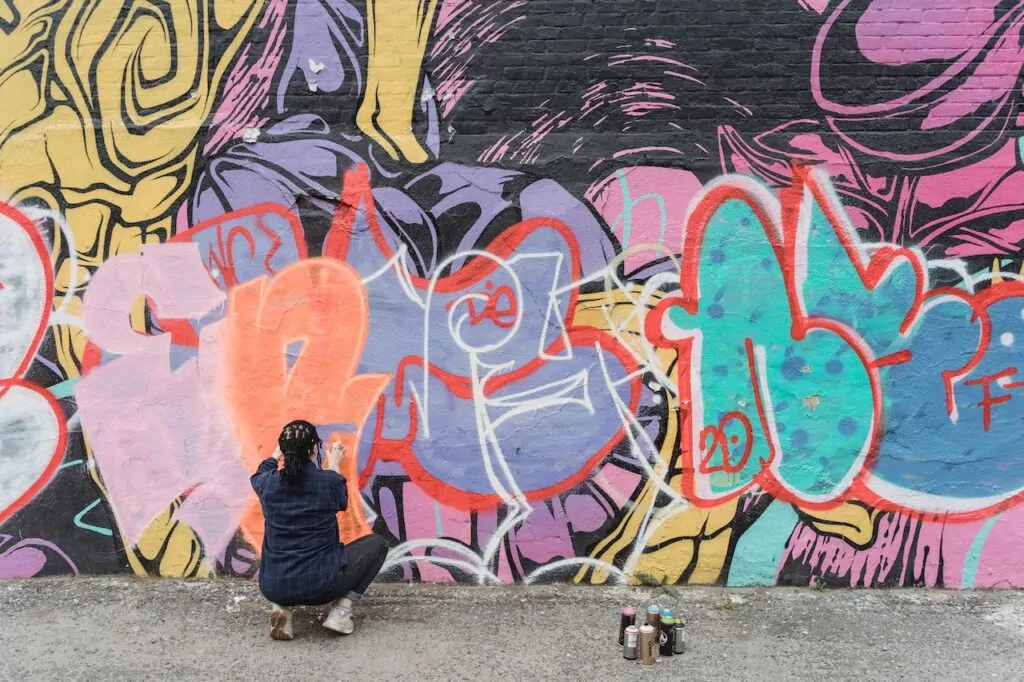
(296,441)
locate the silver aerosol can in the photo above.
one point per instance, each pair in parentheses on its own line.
(631,642)
(679,636)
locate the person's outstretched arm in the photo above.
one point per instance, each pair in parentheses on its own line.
(266,467)
(334,455)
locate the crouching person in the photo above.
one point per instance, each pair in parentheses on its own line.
(304,562)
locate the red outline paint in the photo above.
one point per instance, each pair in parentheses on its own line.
(710,201)
(58,452)
(988,400)
(181,330)
(490,309)
(259,210)
(872,270)
(719,441)
(8,383)
(29,228)
(401,450)
(356,194)
(979,303)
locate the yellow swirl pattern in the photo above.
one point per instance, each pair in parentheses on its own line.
(103,105)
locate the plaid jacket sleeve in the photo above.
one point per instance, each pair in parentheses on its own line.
(339,490)
(266,467)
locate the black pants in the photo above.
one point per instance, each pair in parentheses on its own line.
(365,558)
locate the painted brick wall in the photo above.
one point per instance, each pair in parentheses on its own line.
(637,291)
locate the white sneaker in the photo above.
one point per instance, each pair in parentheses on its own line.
(339,620)
(281,623)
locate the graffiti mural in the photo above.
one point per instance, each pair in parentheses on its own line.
(589,295)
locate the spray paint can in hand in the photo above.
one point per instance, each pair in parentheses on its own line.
(647,645)
(626,618)
(653,615)
(631,643)
(666,639)
(679,636)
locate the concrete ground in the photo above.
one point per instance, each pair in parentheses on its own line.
(131,629)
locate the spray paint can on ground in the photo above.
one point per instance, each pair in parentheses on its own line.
(626,618)
(647,645)
(679,636)
(653,615)
(631,643)
(666,635)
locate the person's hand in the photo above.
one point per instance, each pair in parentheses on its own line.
(334,454)
(277,453)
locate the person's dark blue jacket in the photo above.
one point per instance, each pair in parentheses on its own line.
(302,554)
